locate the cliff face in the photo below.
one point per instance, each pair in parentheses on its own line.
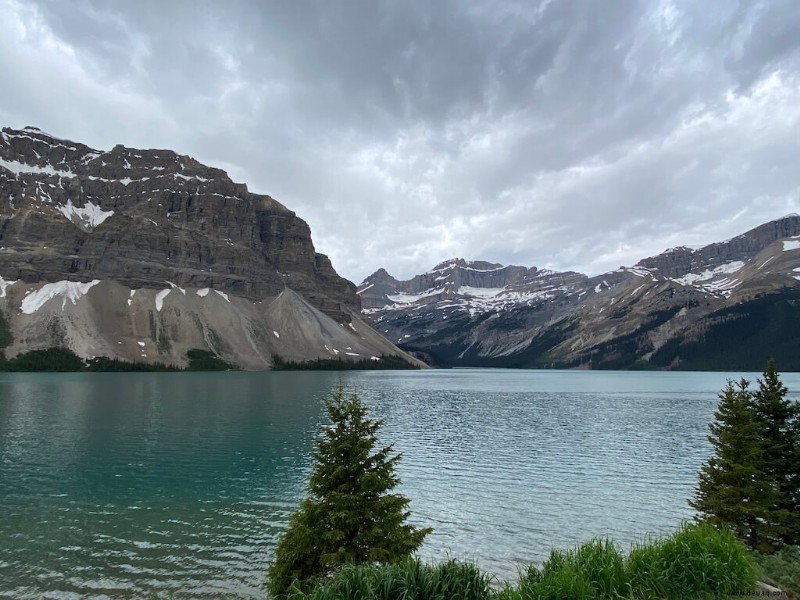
(142,222)
(141,217)
(728,305)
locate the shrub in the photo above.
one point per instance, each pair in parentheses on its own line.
(594,570)
(407,580)
(782,568)
(696,561)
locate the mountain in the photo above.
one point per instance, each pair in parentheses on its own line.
(726,306)
(145,254)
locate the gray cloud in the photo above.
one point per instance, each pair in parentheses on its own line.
(570,135)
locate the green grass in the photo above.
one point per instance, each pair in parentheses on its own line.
(409,580)
(594,570)
(782,569)
(696,562)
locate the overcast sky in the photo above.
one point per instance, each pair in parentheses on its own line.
(578,135)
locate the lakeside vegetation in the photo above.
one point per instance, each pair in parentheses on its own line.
(350,515)
(63,360)
(382,362)
(751,484)
(698,561)
(781,569)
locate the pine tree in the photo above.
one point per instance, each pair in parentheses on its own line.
(349,516)
(778,421)
(733,491)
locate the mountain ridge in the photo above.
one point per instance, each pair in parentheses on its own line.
(142,254)
(523,316)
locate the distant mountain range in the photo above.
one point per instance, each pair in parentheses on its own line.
(142,255)
(727,306)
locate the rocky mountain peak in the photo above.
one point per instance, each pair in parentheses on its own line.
(122,230)
(476,265)
(143,217)
(684,306)
(679,262)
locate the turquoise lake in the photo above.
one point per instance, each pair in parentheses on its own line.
(119,485)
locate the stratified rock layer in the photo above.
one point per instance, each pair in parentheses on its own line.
(160,216)
(155,220)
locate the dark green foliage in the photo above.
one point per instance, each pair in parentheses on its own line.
(52,359)
(338,364)
(733,490)
(741,337)
(408,579)
(350,515)
(782,568)
(778,421)
(752,483)
(204,360)
(698,561)
(65,360)
(103,364)
(594,570)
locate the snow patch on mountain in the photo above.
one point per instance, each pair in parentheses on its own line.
(17,168)
(362,290)
(640,271)
(791,245)
(89,216)
(403,298)
(4,284)
(68,290)
(160,298)
(727,268)
(477,292)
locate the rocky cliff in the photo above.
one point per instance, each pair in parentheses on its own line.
(728,305)
(142,254)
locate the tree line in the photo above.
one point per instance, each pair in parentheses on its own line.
(751,484)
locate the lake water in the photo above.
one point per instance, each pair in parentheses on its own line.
(119,485)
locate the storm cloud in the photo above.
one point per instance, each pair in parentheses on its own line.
(561,134)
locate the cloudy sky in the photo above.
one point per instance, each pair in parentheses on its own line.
(578,135)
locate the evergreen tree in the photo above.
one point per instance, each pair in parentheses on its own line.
(778,421)
(733,491)
(349,516)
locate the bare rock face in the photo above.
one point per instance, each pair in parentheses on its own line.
(726,306)
(155,220)
(141,217)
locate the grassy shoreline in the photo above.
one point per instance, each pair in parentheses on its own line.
(697,561)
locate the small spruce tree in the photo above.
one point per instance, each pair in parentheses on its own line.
(350,515)
(733,490)
(778,422)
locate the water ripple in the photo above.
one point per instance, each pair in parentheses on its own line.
(119,485)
